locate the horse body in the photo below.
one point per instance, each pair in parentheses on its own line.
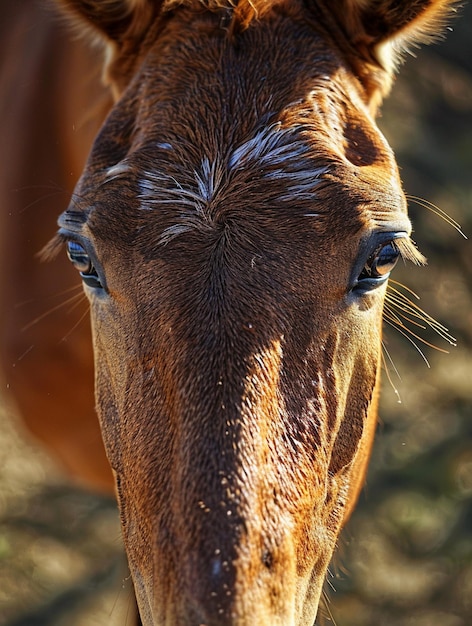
(235,226)
(49,92)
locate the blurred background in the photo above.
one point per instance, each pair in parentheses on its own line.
(406,556)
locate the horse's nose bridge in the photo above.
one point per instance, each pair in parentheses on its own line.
(229,560)
(255,585)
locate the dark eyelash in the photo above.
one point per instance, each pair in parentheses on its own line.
(52,249)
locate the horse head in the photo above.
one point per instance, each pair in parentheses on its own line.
(235,228)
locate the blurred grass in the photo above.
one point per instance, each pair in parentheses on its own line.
(406,557)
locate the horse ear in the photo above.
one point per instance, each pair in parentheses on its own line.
(119,24)
(116,21)
(404,22)
(381,31)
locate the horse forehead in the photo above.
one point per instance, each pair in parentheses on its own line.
(239,129)
(277,176)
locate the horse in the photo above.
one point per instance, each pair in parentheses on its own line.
(234,228)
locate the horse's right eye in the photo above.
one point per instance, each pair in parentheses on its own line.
(82,262)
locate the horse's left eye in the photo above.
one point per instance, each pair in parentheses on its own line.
(378,267)
(382,262)
(80,259)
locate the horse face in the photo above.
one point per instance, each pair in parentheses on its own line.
(235,228)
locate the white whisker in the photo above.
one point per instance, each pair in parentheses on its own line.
(437,211)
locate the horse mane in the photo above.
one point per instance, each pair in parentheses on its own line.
(244,12)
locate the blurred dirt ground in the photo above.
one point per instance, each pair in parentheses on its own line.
(406,557)
(61,558)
